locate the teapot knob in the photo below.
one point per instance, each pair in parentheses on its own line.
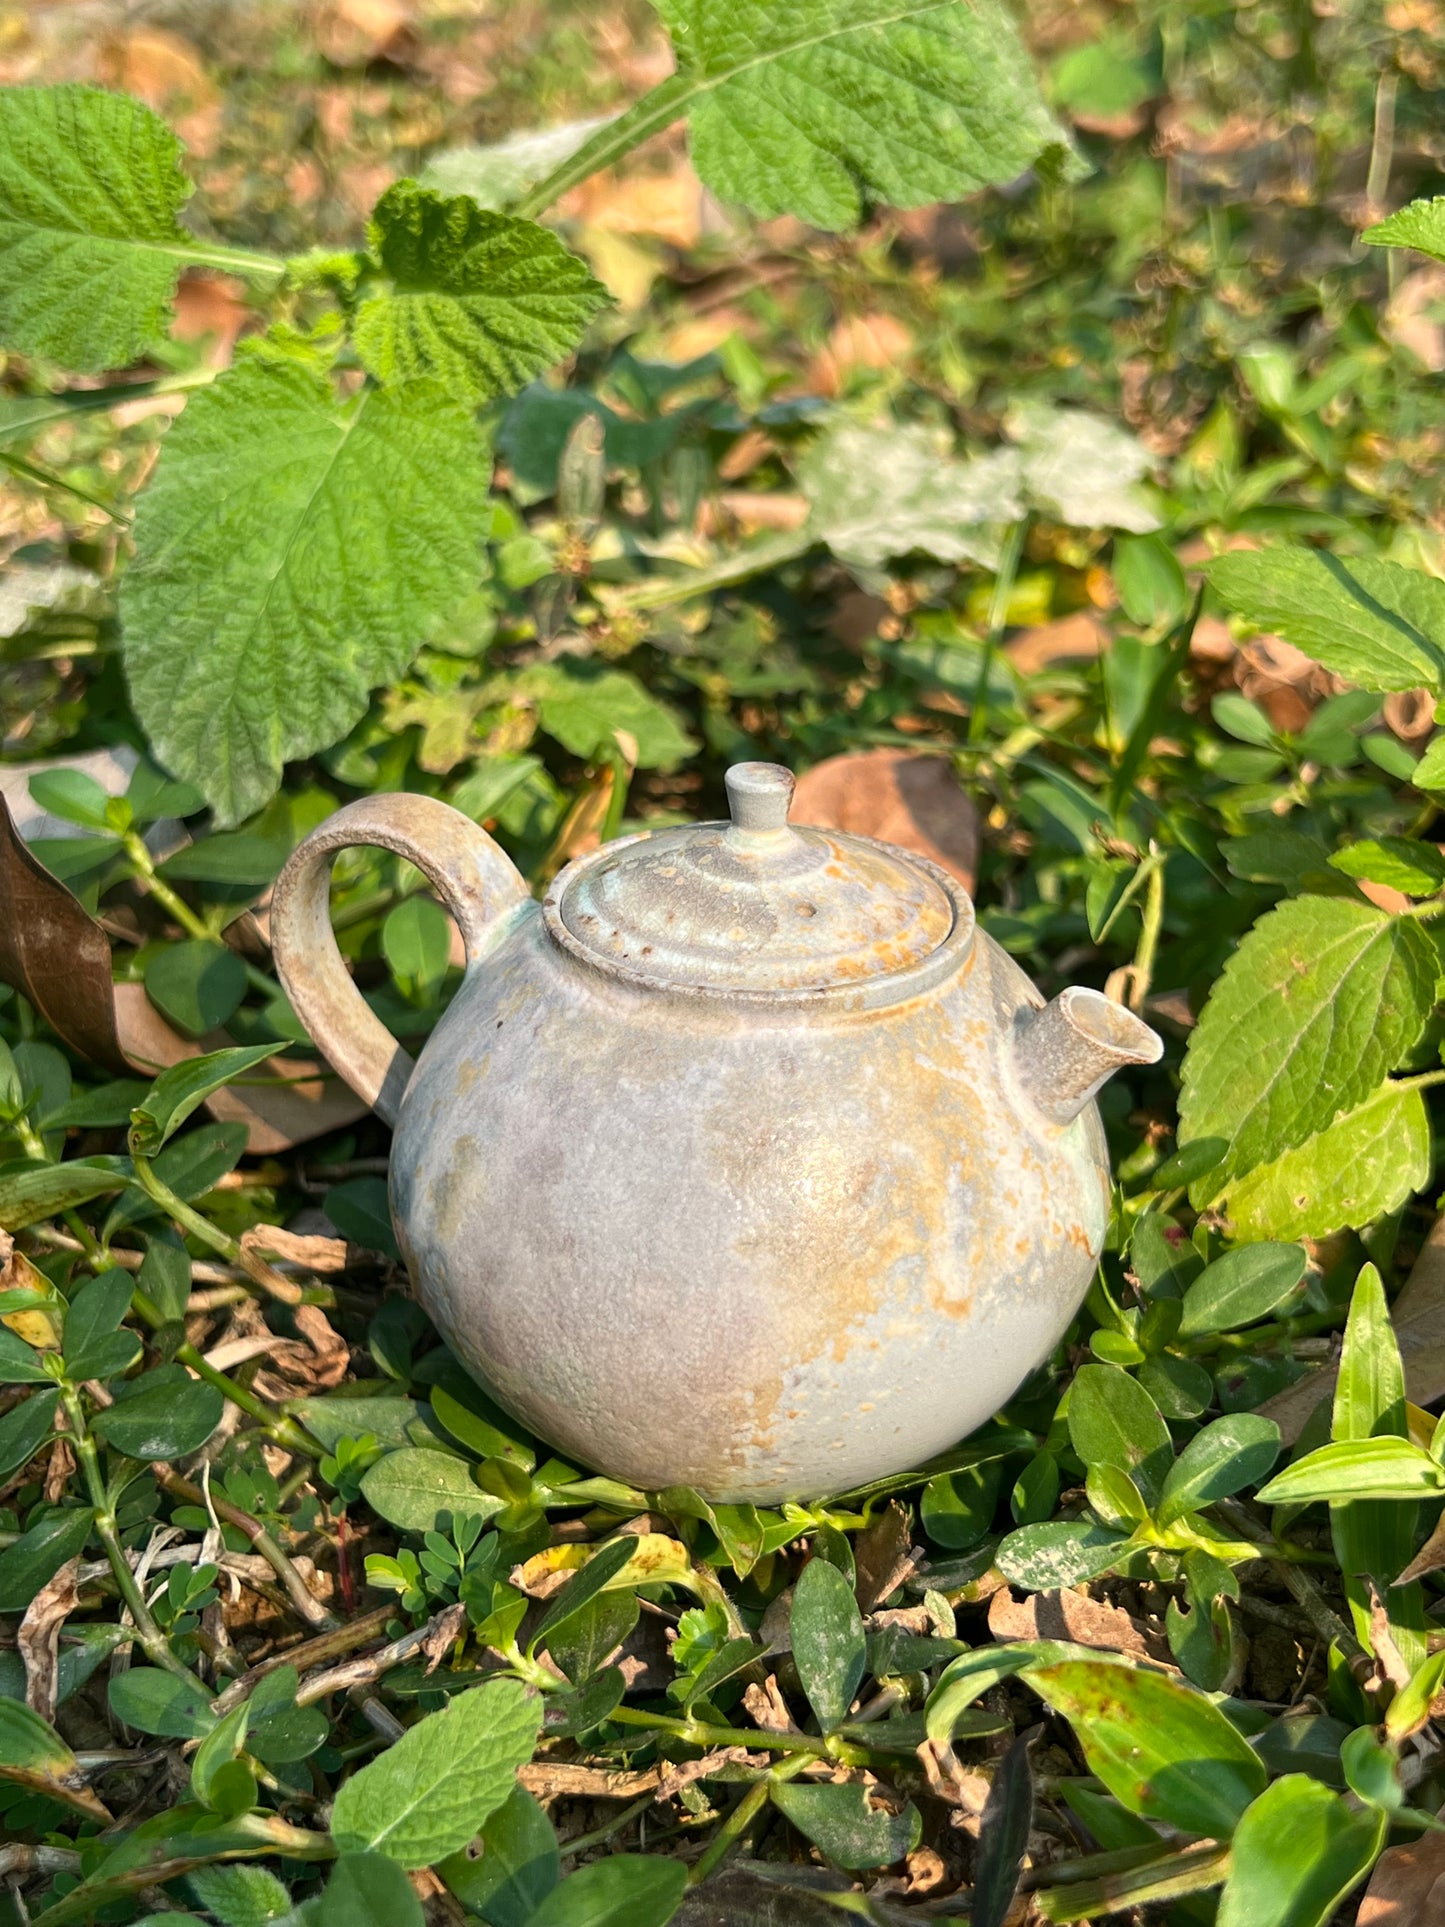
(759,796)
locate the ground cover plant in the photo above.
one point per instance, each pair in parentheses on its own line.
(1061,402)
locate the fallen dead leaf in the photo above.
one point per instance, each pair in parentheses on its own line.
(1076,638)
(1407,1888)
(750,510)
(1412,319)
(669,206)
(1066,1615)
(39,1637)
(321,1255)
(158,67)
(551,1780)
(211,307)
(860,341)
(349,33)
(768,1708)
(677,1777)
(898,796)
(883,1557)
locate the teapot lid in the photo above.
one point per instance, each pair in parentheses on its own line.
(759,907)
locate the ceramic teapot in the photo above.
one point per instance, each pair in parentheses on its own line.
(744,1160)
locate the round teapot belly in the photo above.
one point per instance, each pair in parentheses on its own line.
(780,1265)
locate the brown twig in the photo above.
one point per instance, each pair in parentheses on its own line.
(302,1600)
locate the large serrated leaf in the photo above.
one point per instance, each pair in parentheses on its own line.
(90,186)
(291,553)
(1376,623)
(427,1795)
(1364,1164)
(479,301)
(1419,225)
(820,108)
(1322,999)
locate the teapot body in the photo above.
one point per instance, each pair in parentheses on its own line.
(768,1251)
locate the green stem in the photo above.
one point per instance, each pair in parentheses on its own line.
(1003,588)
(1141,972)
(741,1818)
(159,1192)
(250,263)
(151,1637)
(646,117)
(143,864)
(813,1746)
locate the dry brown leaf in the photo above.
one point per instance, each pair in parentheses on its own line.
(860,341)
(55,954)
(669,206)
(1066,1615)
(211,307)
(677,1777)
(321,1255)
(39,1637)
(1076,638)
(753,510)
(1411,320)
(768,1708)
(1430,1557)
(158,67)
(352,32)
(882,1557)
(551,1780)
(1407,1888)
(898,796)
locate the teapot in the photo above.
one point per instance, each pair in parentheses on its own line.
(744,1160)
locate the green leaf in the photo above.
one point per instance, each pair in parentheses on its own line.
(480,301)
(1063,1552)
(153,1701)
(165,1277)
(19,1363)
(240,1896)
(1242,1287)
(1003,1838)
(1319,1002)
(1382,1468)
(281,1731)
(520,1864)
(366,1890)
(387,1420)
(164,1414)
(416,942)
(31,1193)
(90,186)
(1372,622)
(25,1428)
(1372,1769)
(1402,862)
(291,553)
(1113,1421)
(969,1676)
(1367,1163)
(426,1796)
(220,1747)
(829,1647)
(820,108)
(70,793)
(249,861)
(410,1487)
(1228,1455)
(38,1554)
(584,707)
(847,1830)
(197,985)
(27,1740)
(1150,581)
(1162,1750)
(1296,1853)
(177,1092)
(585,1585)
(624,1890)
(1420,225)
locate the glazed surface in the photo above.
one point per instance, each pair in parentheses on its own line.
(769,1257)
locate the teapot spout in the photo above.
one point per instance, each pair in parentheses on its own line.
(1067,1050)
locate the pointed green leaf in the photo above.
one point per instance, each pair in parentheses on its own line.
(1061,1552)
(1420,225)
(177,1092)
(1382,1468)
(90,186)
(829,1647)
(291,553)
(1319,1002)
(1375,623)
(520,1864)
(426,1796)
(1297,1852)
(842,1824)
(819,108)
(33,1192)
(1225,1457)
(1240,1288)
(410,1487)
(39,1553)
(366,1890)
(623,1890)
(24,1429)
(1161,1749)
(1365,1164)
(482,302)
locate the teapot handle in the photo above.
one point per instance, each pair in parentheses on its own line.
(475,879)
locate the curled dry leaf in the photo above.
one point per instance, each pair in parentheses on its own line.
(1066,1615)
(882,1557)
(39,1637)
(1407,1888)
(1076,638)
(898,796)
(55,954)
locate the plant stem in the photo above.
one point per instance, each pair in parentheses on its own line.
(697,1733)
(1321,1615)
(157,1648)
(657,109)
(1003,588)
(308,1607)
(741,1818)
